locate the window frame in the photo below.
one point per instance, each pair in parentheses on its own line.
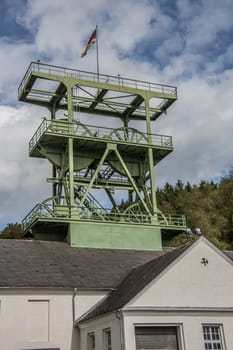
(178,326)
(106,333)
(90,342)
(221,335)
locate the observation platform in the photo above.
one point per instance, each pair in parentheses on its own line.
(101,228)
(46,85)
(63,213)
(130,141)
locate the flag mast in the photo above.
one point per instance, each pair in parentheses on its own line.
(97,51)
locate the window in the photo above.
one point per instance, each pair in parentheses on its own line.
(212,337)
(156,337)
(107,339)
(91,341)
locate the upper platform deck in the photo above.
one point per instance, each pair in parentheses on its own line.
(46,85)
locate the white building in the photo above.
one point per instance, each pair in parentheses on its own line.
(54,296)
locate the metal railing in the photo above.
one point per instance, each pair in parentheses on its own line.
(46,211)
(128,135)
(97,78)
(115,177)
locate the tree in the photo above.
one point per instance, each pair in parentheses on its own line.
(181,239)
(11,231)
(208,206)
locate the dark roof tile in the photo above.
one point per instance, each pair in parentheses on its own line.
(42,264)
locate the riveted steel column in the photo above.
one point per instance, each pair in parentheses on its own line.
(70,144)
(150,156)
(54,171)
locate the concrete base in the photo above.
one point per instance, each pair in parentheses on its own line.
(117,236)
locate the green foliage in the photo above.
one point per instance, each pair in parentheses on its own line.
(181,239)
(11,231)
(208,206)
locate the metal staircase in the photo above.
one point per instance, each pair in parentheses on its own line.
(95,209)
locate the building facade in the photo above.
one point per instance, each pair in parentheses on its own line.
(96,275)
(176,299)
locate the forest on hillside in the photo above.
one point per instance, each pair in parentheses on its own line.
(208,206)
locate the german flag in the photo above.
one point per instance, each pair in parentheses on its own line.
(90,42)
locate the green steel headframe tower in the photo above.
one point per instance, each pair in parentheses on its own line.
(94,165)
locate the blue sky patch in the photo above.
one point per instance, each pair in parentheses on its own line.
(9,24)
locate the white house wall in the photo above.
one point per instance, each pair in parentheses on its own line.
(190,328)
(97,326)
(187,294)
(37,319)
(190,283)
(86,300)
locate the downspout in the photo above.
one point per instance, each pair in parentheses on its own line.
(75,292)
(121,324)
(73,303)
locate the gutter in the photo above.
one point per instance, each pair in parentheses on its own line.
(171,310)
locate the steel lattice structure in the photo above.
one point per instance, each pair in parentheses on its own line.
(88,159)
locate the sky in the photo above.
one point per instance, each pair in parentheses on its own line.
(185,43)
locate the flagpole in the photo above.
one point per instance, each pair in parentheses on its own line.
(97,52)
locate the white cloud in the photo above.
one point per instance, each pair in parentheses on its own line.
(201,125)
(204,20)
(22,179)
(182,43)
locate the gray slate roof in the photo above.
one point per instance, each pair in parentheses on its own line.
(41,264)
(229,254)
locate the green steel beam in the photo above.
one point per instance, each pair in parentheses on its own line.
(150,159)
(107,150)
(132,181)
(70,146)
